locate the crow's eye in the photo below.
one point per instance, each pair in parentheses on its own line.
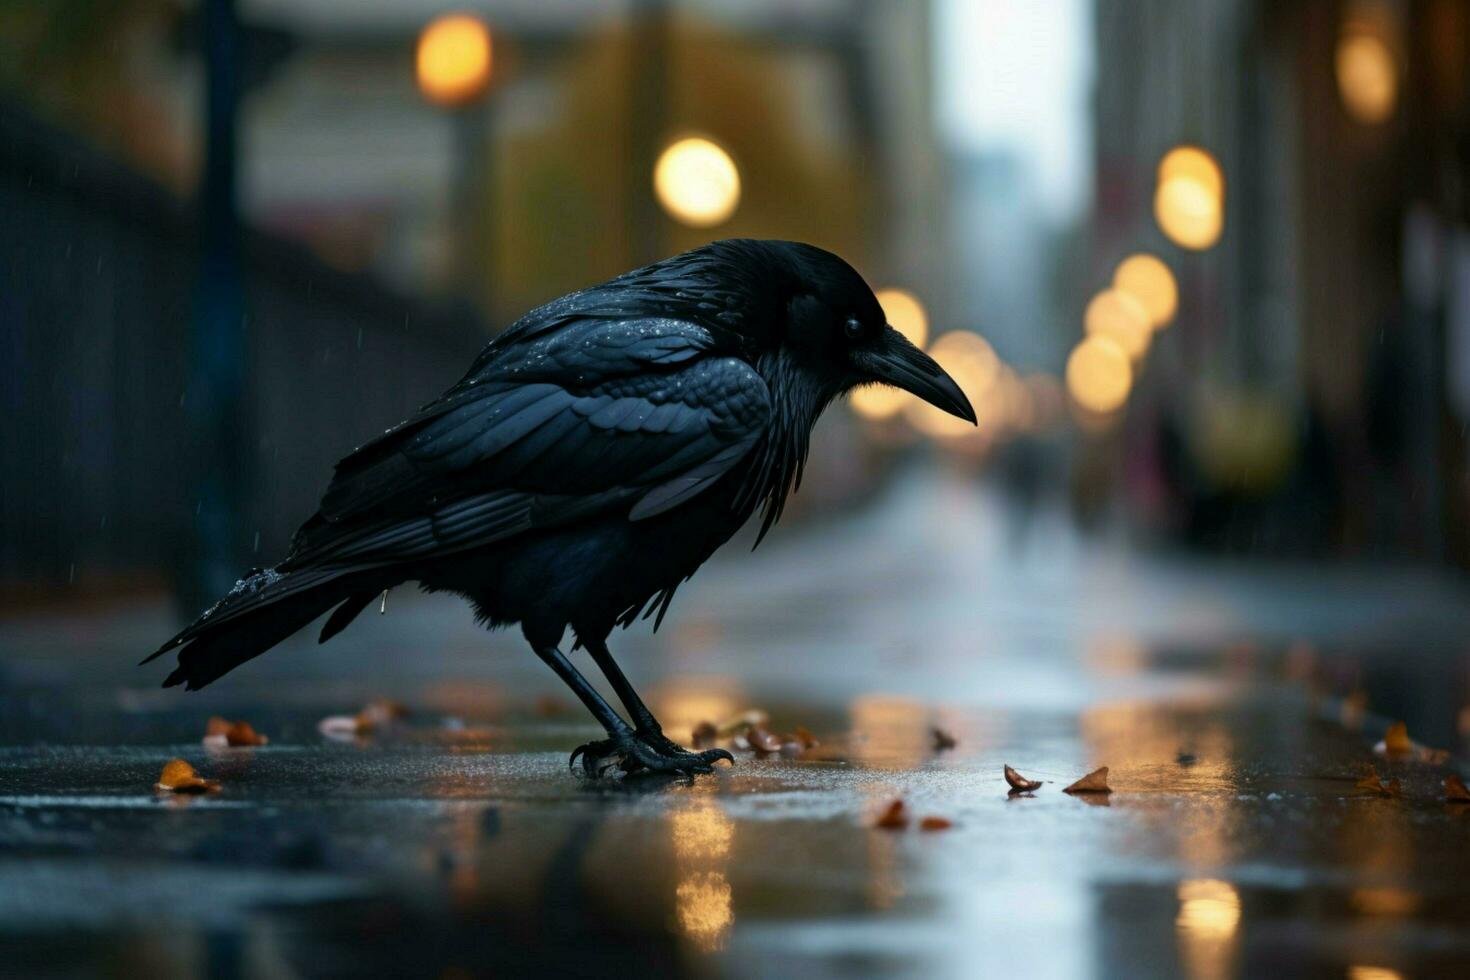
(853,328)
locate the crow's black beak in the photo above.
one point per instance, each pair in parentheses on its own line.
(895,361)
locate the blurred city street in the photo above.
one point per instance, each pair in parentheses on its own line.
(1139,332)
(1236,708)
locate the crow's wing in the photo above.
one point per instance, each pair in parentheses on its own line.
(599,415)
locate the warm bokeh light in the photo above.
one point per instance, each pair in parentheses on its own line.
(1099,375)
(905,314)
(453,59)
(1367,77)
(971,361)
(878,401)
(1147,279)
(1188,214)
(1190,201)
(1195,164)
(696,182)
(1122,319)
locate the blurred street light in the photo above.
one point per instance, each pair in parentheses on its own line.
(1190,201)
(1099,375)
(452,61)
(1147,279)
(697,183)
(878,401)
(1367,75)
(1188,214)
(1122,319)
(1195,164)
(905,314)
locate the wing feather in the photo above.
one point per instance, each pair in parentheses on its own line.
(636,415)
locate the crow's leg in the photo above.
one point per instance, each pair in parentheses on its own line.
(646,726)
(622,748)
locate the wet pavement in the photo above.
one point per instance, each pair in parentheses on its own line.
(1235,707)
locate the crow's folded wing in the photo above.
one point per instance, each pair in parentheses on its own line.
(630,415)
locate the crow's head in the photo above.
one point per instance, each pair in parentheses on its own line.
(837,338)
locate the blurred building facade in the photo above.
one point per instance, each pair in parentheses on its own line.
(1303,402)
(387,237)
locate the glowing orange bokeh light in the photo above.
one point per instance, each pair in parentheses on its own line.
(453,59)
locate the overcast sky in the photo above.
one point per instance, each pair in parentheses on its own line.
(1017,77)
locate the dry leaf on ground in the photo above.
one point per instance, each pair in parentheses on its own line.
(705,735)
(1382,787)
(223,733)
(1020,783)
(1455,790)
(894,817)
(935,823)
(179,777)
(1094,782)
(943,740)
(758,738)
(1396,743)
(381,713)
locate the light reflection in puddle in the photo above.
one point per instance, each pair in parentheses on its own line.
(703,835)
(1373,973)
(1209,915)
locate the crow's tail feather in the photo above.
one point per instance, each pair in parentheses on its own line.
(261,610)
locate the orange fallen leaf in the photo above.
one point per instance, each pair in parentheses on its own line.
(935,823)
(1455,790)
(804,738)
(761,740)
(380,712)
(1020,783)
(895,817)
(1396,743)
(222,733)
(179,777)
(1376,784)
(1094,782)
(705,735)
(943,740)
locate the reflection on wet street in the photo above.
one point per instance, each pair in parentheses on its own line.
(1236,835)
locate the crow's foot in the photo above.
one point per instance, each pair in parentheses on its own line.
(644,752)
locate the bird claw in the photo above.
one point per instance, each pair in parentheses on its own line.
(640,752)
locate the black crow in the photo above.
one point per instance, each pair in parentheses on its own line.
(595,454)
